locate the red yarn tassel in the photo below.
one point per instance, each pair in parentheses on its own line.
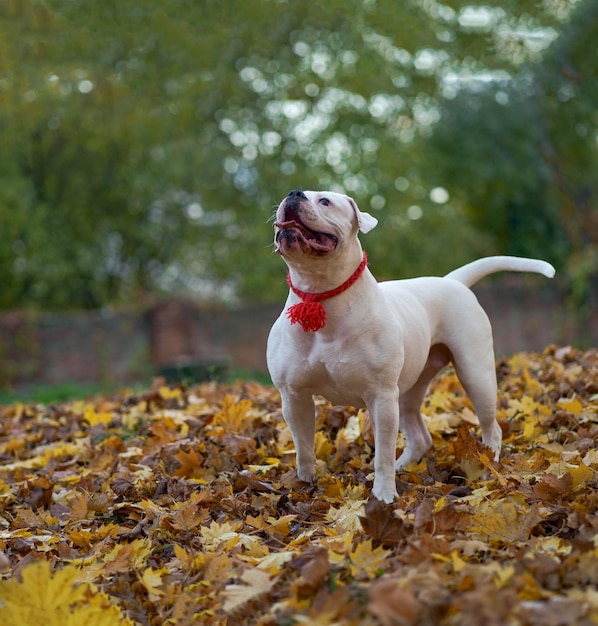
(311,315)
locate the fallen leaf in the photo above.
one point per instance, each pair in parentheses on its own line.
(257,584)
(55,599)
(381,523)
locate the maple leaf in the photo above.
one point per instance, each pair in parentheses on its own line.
(381,523)
(215,534)
(152,581)
(503,521)
(55,599)
(167,393)
(191,464)
(280,526)
(93,417)
(347,517)
(233,418)
(367,561)
(125,556)
(493,550)
(314,568)
(551,488)
(257,584)
(187,516)
(393,605)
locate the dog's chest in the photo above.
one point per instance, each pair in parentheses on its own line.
(329,369)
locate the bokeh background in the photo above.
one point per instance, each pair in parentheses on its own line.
(146,143)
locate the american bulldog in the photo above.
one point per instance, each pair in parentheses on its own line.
(360,343)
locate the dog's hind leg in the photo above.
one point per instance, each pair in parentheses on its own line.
(477,372)
(417,437)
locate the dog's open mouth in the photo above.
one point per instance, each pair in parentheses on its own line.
(293,231)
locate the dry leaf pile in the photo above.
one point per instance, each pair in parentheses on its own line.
(180,506)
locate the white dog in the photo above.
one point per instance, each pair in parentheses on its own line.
(361,343)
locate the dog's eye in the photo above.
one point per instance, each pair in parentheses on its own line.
(325,201)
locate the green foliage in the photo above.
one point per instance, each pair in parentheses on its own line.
(146,144)
(524,165)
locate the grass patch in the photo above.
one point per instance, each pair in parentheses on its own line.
(64,392)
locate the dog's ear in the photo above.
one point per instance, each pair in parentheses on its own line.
(365,221)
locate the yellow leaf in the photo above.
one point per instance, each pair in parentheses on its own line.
(94,418)
(502,481)
(503,521)
(572,405)
(281,525)
(366,560)
(457,562)
(215,534)
(55,599)
(581,474)
(257,584)
(44,453)
(322,446)
(347,517)
(550,545)
(152,579)
(272,563)
(170,394)
(124,557)
(266,465)
(439,505)
(475,498)
(591,457)
(253,547)
(233,418)
(503,575)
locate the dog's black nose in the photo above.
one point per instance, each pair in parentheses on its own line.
(297,193)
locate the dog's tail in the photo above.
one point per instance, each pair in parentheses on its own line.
(472,272)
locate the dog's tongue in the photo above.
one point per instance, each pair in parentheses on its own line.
(319,242)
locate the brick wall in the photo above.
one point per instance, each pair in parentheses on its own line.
(527,313)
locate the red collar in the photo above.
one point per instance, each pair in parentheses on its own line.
(310,313)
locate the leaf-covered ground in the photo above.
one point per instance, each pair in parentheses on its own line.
(180,506)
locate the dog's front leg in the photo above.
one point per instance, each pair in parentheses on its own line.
(298,411)
(384,412)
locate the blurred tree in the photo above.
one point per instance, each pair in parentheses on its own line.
(146,143)
(524,154)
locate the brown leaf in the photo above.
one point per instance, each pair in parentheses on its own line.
(381,523)
(550,488)
(314,569)
(191,463)
(392,605)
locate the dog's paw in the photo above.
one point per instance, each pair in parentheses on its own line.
(292,480)
(410,455)
(307,476)
(385,493)
(405,459)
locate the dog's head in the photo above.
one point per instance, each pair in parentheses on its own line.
(318,223)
